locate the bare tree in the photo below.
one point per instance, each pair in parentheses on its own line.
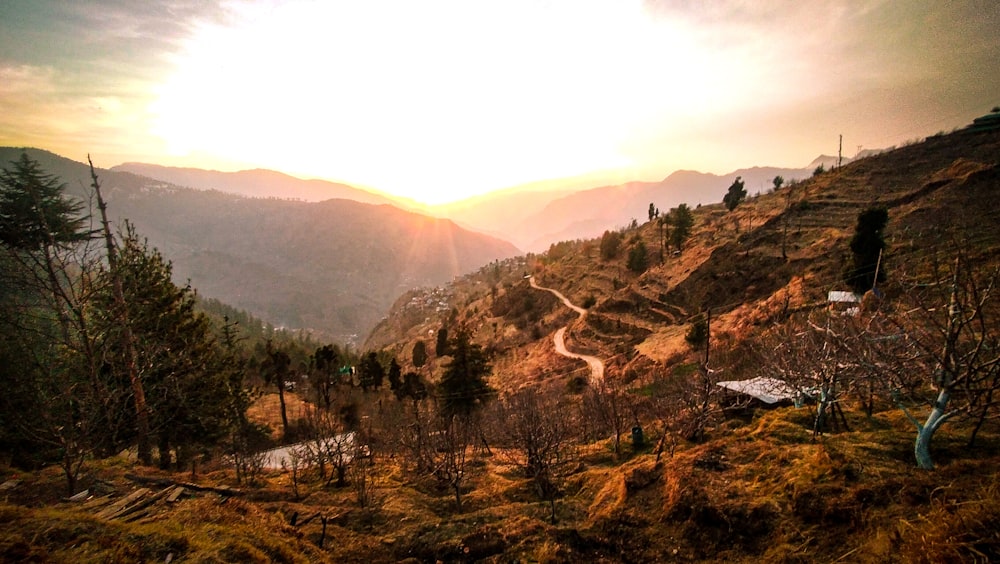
(362,472)
(452,440)
(817,357)
(608,404)
(955,330)
(538,438)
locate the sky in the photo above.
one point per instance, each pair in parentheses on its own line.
(438,100)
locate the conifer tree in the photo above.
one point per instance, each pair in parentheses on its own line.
(463,388)
(681,221)
(736,194)
(372,373)
(419,355)
(34,212)
(441,345)
(178,358)
(867,246)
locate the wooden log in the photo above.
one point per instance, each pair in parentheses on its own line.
(97,502)
(177,492)
(123,503)
(164,482)
(142,503)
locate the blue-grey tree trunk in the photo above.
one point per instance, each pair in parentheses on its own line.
(922,446)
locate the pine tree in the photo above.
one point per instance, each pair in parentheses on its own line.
(178,358)
(395,378)
(736,194)
(325,363)
(611,243)
(419,355)
(638,258)
(441,345)
(867,246)
(372,373)
(681,221)
(463,388)
(34,212)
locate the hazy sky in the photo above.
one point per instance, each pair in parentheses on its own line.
(437,100)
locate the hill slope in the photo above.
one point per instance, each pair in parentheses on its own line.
(258,183)
(936,192)
(334,266)
(533,221)
(757,486)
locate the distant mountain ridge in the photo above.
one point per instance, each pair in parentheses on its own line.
(256,183)
(588,213)
(335,266)
(530,217)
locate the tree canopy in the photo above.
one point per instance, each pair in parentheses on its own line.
(736,194)
(463,388)
(681,222)
(611,243)
(867,246)
(34,212)
(638,257)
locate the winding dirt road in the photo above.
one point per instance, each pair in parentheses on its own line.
(596,365)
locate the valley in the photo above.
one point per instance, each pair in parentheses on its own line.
(491,441)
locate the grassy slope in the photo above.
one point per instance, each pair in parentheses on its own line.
(759,489)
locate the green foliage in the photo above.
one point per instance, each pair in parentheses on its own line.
(697,335)
(180,362)
(419,355)
(561,249)
(778,181)
(441,345)
(326,366)
(34,212)
(413,387)
(638,258)
(681,221)
(736,194)
(371,373)
(395,376)
(867,246)
(653,211)
(463,388)
(819,170)
(611,243)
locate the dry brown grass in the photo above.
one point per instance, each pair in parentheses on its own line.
(761,490)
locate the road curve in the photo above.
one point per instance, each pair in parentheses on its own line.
(596,365)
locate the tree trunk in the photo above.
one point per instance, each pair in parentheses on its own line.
(281,401)
(925,432)
(985,411)
(139,394)
(163,446)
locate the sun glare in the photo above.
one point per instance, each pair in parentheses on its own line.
(436,101)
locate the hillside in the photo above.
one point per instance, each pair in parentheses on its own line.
(533,221)
(654,463)
(936,192)
(254,183)
(333,266)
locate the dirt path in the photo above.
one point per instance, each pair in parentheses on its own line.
(595,364)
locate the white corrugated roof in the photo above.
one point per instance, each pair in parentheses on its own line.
(843,297)
(767,390)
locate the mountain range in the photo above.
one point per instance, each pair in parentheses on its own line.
(332,257)
(333,266)
(530,218)
(256,183)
